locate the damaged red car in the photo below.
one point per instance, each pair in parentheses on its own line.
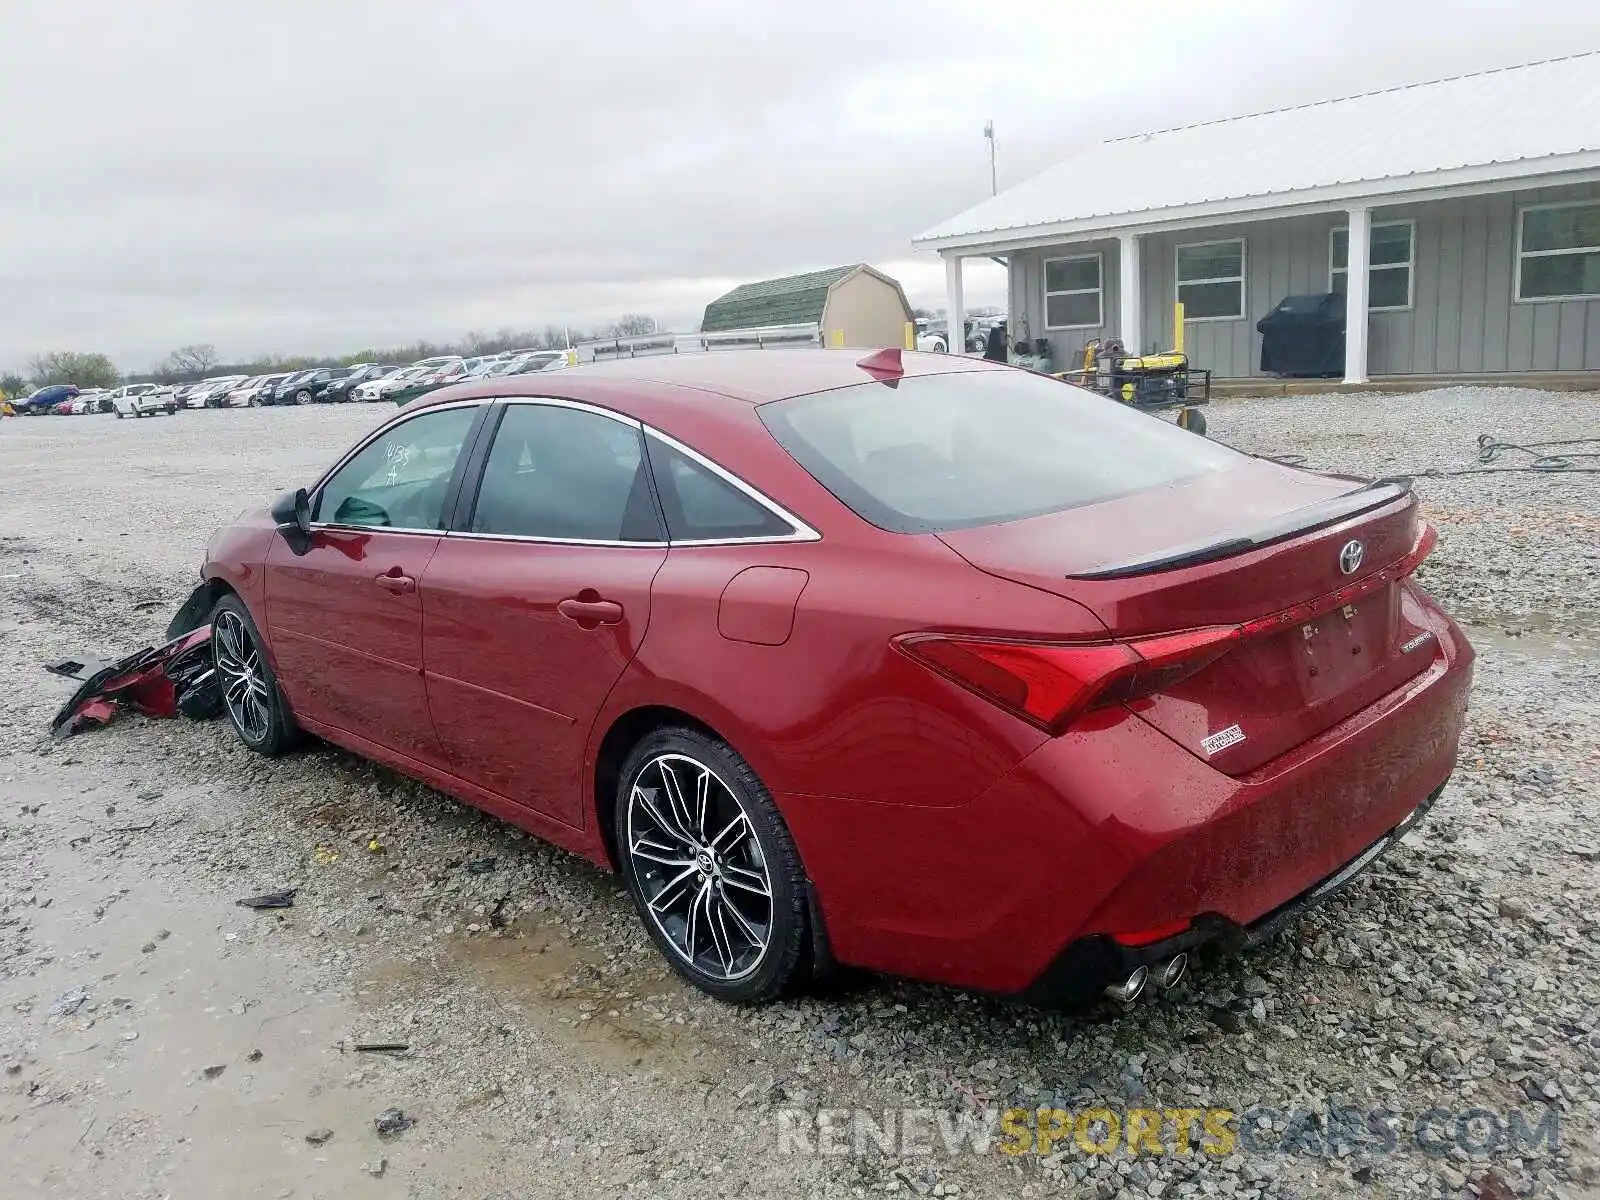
(917,663)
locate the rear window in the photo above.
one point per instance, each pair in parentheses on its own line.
(939,452)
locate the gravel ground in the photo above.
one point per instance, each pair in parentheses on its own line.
(551,1052)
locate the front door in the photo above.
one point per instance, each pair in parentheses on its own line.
(532,613)
(345,619)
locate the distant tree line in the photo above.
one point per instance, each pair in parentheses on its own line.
(198,360)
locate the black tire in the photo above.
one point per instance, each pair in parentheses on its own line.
(303,396)
(781,964)
(277,731)
(119,414)
(1193,420)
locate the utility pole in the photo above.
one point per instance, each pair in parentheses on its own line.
(994,180)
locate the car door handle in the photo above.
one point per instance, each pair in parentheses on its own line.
(590,613)
(393,581)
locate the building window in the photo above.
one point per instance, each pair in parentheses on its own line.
(1211,281)
(1072,292)
(1558,252)
(1391,254)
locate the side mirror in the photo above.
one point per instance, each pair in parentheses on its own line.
(292,512)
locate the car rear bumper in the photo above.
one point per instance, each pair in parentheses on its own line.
(1113,828)
(1080,974)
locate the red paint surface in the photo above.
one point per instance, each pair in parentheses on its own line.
(947,837)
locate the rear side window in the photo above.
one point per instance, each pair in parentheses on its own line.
(566,475)
(972,448)
(701,505)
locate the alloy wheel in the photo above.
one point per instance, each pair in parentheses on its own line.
(244,684)
(699,867)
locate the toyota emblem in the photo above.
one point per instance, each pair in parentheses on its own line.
(1350,557)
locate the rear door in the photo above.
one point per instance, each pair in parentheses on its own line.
(534,607)
(345,618)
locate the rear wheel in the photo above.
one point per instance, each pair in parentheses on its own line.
(303,396)
(250,692)
(711,866)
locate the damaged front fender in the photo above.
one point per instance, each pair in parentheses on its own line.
(194,612)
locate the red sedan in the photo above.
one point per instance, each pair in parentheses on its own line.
(926,665)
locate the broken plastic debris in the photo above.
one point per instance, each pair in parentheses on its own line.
(70,1002)
(280,899)
(391,1122)
(481,866)
(159,681)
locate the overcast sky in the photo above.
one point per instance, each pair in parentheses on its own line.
(320,175)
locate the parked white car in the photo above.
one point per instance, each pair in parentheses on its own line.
(209,393)
(143,400)
(250,393)
(382,389)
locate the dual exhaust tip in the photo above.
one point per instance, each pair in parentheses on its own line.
(1166,976)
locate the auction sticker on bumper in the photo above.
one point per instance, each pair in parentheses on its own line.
(1222,739)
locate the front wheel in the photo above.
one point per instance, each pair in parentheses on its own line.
(711,867)
(250,692)
(302,397)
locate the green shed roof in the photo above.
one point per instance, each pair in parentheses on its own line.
(793,300)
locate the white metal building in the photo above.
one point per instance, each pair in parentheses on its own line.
(1460,217)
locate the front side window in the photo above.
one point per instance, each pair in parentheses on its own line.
(942,452)
(1558,252)
(564,474)
(1390,257)
(1072,292)
(702,506)
(399,479)
(1211,281)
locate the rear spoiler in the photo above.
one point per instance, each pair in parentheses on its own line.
(1297,521)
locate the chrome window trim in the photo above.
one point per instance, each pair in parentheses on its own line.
(555,541)
(801,532)
(316,489)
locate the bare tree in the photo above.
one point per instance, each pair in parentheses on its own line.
(631,325)
(195,359)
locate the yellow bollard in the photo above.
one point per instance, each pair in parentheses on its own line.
(1177,327)
(911,336)
(836,338)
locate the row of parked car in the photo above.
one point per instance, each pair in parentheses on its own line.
(318,385)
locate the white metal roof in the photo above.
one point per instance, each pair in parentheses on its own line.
(1514,122)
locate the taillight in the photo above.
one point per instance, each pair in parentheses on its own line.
(1052,683)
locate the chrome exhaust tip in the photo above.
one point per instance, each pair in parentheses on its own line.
(1173,971)
(1128,990)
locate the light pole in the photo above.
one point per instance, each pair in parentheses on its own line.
(994,180)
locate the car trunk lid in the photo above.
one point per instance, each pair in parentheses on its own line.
(1261,547)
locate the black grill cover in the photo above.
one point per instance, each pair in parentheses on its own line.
(1304,336)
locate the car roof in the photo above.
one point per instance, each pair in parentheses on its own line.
(746,376)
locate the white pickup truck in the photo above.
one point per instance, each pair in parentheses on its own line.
(143,400)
